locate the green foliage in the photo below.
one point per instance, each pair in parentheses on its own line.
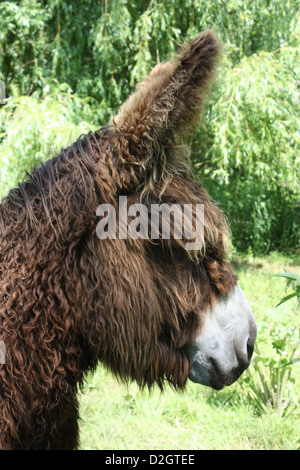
(293,281)
(250,143)
(31,128)
(270,380)
(247,149)
(82,42)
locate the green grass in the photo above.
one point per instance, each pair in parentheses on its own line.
(117,417)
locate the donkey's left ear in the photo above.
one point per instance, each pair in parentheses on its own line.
(167,103)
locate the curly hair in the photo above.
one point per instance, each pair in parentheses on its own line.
(69,300)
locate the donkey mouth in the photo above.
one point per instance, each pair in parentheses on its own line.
(220,380)
(213,376)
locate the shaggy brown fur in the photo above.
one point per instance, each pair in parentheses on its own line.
(68,299)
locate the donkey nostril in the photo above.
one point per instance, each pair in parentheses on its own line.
(250,348)
(244,351)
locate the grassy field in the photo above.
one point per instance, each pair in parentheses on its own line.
(117,417)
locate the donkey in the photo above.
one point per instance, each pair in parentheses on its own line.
(151,310)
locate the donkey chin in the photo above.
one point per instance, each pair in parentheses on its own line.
(221,352)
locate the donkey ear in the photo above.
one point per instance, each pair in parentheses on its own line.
(168,102)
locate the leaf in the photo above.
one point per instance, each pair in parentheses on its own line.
(286,298)
(293,361)
(288,275)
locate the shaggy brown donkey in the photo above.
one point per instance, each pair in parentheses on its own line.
(149,310)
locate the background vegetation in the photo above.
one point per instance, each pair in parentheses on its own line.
(67,67)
